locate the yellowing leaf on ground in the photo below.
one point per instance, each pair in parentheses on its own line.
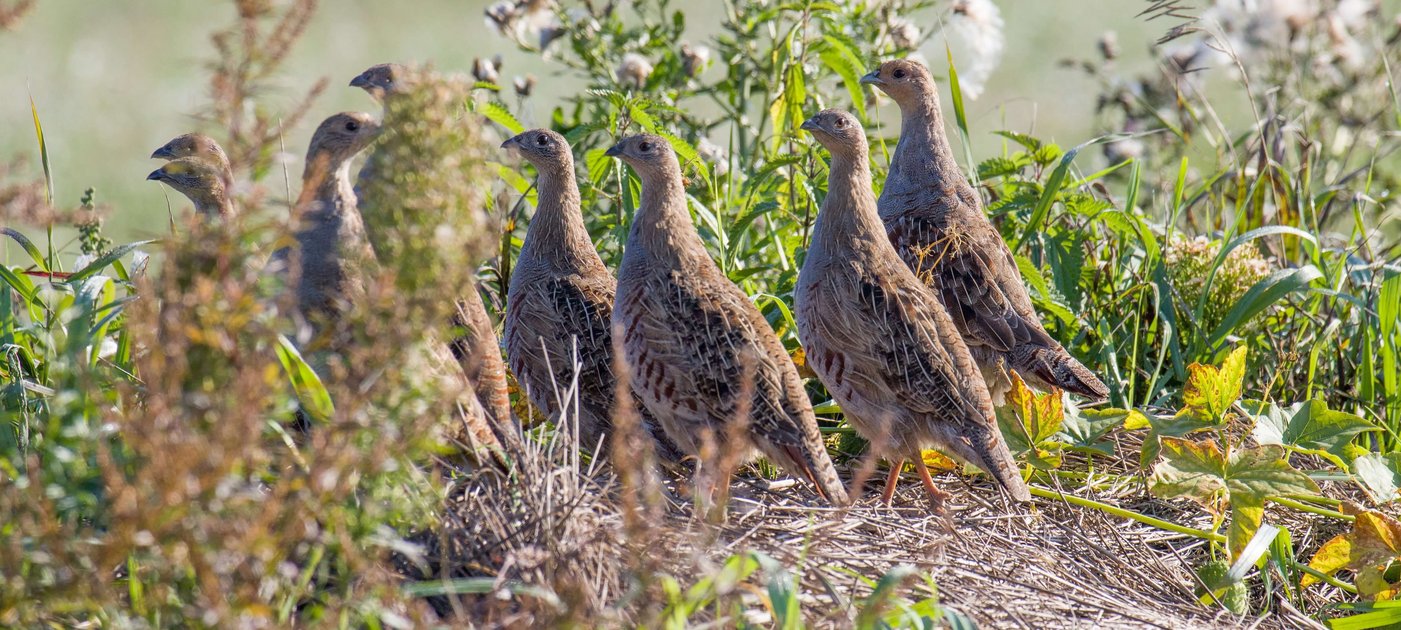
(1028,422)
(1240,481)
(938,462)
(1210,391)
(1369,549)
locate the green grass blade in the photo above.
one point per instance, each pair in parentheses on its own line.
(43,152)
(316,401)
(29,247)
(961,118)
(1261,296)
(106,259)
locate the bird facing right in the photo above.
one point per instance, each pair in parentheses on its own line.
(879,339)
(699,353)
(935,219)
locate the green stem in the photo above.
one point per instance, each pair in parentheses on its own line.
(1298,505)
(1129,514)
(1325,577)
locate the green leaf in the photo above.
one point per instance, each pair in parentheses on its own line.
(1310,427)
(886,589)
(1084,429)
(1048,196)
(106,259)
(1261,296)
(838,57)
(961,117)
(316,401)
(497,113)
(43,154)
(1239,481)
(1384,614)
(28,246)
(1379,474)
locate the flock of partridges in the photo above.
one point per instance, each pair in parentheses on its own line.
(910,308)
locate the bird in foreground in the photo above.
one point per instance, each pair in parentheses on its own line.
(935,220)
(201,182)
(335,254)
(475,346)
(879,339)
(197,145)
(560,303)
(695,345)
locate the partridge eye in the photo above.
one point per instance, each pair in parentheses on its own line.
(645,146)
(541,140)
(899,74)
(352,126)
(840,123)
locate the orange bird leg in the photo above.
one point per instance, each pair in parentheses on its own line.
(935,493)
(891,480)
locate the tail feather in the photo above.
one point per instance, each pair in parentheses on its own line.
(982,446)
(1055,367)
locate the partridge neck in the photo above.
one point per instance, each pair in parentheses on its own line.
(662,227)
(848,214)
(327,184)
(557,230)
(922,131)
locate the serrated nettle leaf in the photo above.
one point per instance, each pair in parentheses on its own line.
(1369,550)
(1210,391)
(1379,474)
(1028,421)
(1240,480)
(1309,426)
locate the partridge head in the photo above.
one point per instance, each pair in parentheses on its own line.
(838,131)
(380,80)
(907,81)
(200,181)
(648,154)
(543,148)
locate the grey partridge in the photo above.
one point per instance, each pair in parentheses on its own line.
(700,355)
(935,219)
(198,145)
(474,345)
(201,182)
(879,339)
(560,303)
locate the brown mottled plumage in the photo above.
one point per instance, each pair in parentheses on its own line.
(560,303)
(935,220)
(879,339)
(694,343)
(475,347)
(200,181)
(198,145)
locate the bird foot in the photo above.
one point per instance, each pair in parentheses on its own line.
(890,482)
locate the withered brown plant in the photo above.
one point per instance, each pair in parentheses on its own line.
(250,52)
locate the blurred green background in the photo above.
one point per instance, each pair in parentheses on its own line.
(114,80)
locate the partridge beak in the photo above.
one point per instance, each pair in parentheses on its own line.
(872,78)
(615,150)
(512,142)
(360,81)
(163,153)
(156,175)
(809,125)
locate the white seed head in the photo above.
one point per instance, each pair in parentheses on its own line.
(634,68)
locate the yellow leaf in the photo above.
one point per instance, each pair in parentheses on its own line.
(1369,549)
(938,462)
(1210,391)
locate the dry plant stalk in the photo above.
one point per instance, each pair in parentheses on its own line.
(12,12)
(250,52)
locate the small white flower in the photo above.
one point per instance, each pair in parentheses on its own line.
(715,154)
(977,25)
(694,59)
(634,68)
(903,33)
(485,70)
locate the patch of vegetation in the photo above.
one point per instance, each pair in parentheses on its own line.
(1238,288)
